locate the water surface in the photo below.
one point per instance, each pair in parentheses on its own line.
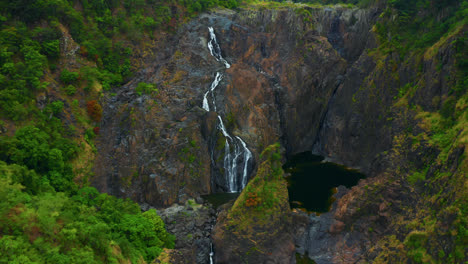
(218,199)
(312,181)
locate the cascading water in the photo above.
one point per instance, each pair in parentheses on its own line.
(214,84)
(247,157)
(214,48)
(236,154)
(211,253)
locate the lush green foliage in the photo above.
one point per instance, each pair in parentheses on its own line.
(360,3)
(202,5)
(44,215)
(86,227)
(410,30)
(265,195)
(146,88)
(414,34)
(39,225)
(43,149)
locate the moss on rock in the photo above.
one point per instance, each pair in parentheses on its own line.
(257,226)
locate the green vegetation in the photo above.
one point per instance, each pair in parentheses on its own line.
(40,225)
(189,157)
(351,3)
(411,35)
(303,259)
(146,88)
(68,77)
(49,117)
(410,32)
(58,56)
(261,214)
(264,198)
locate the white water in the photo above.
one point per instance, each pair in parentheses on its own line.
(236,179)
(214,84)
(233,186)
(205,101)
(223,128)
(231,161)
(214,48)
(247,157)
(211,254)
(227,165)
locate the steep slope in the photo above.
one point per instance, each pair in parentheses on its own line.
(57,59)
(257,229)
(352,85)
(278,87)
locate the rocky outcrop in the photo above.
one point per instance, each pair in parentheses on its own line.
(287,67)
(191,225)
(257,229)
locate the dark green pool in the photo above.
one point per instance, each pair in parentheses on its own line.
(312,181)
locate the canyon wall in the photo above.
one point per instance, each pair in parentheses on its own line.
(309,78)
(154,147)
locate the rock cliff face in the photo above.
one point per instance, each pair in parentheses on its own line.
(286,67)
(155,148)
(288,64)
(305,77)
(151,148)
(258,227)
(191,225)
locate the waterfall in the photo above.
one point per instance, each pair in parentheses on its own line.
(214,48)
(247,157)
(223,128)
(214,84)
(236,154)
(211,253)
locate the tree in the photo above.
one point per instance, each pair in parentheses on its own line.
(31,148)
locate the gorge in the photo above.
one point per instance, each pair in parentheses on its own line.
(308,79)
(213,101)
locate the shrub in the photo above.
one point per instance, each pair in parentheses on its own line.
(51,48)
(94,110)
(70,90)
(56,107)
(252,200)
(68,77)
(448,107)
(146,88)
